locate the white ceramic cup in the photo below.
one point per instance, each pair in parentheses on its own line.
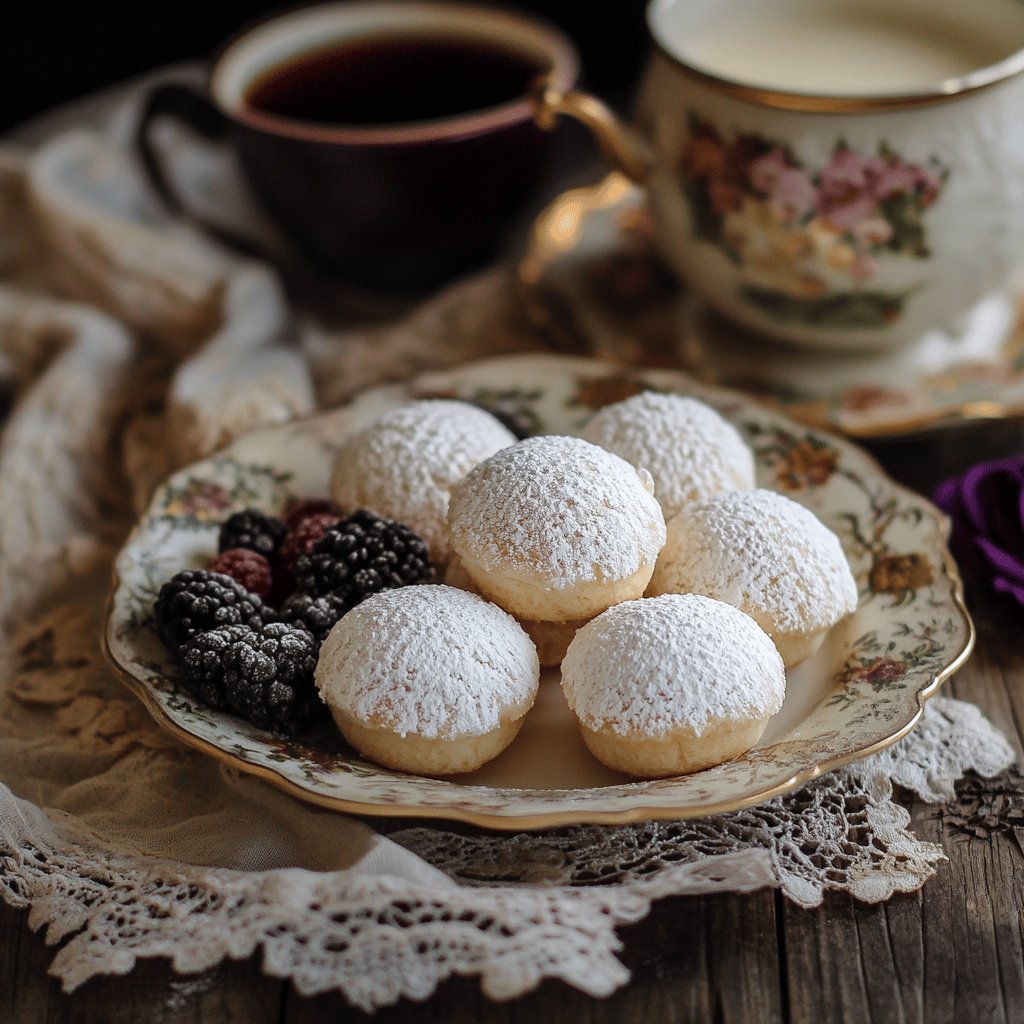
(815,202)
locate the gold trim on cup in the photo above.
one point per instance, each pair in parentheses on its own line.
(623,151)
(564,70)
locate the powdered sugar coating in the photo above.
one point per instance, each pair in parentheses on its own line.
(763,553)
(681,660)
(690,451)
(429,660)
(560,508)
(404,464)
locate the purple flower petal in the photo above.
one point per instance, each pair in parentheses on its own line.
(992,493)
(947,496)
(1002,561)
(986,509)
(1008,587)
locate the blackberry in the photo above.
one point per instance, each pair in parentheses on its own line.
(246,566)
(265,675)
(202,659)
(254,530)
(196,600)
(361,555)
(316,614)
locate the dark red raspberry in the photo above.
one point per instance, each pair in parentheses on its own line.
(307,507)
(246,566)
(301,537)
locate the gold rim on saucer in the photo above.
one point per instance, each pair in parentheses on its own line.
(858,395)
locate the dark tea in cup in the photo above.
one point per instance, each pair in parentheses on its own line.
(394,80)
(393,141)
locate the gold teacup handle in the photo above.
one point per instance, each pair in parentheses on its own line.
(613,138)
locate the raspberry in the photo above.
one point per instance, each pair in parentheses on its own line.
(303,536)
(265,674)
(361,555)
(310,507)
(252,529)
(246,566)
(196,600)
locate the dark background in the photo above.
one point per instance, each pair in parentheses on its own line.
(51,53)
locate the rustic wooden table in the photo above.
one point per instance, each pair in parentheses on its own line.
(951,952)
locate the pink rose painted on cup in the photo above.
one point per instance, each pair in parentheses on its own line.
(845,195)
(787,187)
(808,241)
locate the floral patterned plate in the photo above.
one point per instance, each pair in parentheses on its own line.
(591,273)
(862,691)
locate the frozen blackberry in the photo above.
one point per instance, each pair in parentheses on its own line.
(361,555)
(317,614)
(254,530)
(264,675)
(196,600)
(202,660)
(248,567)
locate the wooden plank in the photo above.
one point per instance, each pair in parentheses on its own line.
(954,951)
(698,960)
(234,993)
(951,953)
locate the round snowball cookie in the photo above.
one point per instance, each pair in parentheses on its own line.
(769,557)
(556,529)
(690,451)
(551,639)
(673,684)
(428,679)
(404,464)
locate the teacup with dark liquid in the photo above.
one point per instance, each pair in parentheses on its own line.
(393,141)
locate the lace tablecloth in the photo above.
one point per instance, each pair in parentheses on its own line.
(129,345)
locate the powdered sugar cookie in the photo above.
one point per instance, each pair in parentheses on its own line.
(404,464)
(556,529)
(690,451)
(428,679)
(766,555)
(670,685)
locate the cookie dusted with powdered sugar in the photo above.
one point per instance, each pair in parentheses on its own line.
(428,679)
(766,555)
(690,451)
(404,464)
(556,529)
(669,685)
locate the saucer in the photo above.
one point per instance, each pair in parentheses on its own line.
(864,689)
(592,274)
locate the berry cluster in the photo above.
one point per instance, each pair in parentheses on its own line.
(237,650)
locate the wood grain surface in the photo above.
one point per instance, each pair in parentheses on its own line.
(949,953)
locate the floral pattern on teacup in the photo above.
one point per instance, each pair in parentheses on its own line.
(808,241)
